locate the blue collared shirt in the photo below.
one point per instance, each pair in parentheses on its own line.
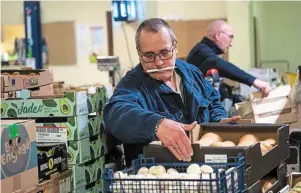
(139,101)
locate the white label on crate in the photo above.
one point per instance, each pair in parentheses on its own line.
(215,158)
(92,90)
(51,134)
(65,185)
(81,103)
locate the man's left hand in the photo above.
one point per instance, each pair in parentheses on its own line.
(230,120)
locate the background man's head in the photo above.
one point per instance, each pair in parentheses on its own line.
(221,33)
(157,47)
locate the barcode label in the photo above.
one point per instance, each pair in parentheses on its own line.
(48,130)
(51,134)
(216,158)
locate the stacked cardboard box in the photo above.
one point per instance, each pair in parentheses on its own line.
(19,169)
(66,118)
(73,117)
(87,145)
(58,183)
(36,82)
(58,87)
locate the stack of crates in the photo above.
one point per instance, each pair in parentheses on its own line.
(87,143)
(73,119)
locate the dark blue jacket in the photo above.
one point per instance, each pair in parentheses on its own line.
(139,101)
(205,56)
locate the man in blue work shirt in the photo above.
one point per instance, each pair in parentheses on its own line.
(162,98)
(218,40)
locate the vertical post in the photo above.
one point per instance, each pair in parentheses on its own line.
(32,20)
(110,33)
(110,43)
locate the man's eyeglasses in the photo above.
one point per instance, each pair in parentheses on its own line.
(149,57)
(231,36)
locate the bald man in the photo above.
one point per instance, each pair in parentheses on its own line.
(205,55)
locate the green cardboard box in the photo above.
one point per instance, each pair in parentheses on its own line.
(87,173)
(96,99)
(100,185)
(91,188)
(84,150)
(67,105)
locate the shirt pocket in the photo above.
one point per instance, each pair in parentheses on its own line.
(175,115)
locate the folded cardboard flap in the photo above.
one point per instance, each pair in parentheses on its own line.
(244,109)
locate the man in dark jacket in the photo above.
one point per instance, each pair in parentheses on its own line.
(162,98)
(217,41)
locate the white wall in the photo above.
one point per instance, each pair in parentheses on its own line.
(93,13)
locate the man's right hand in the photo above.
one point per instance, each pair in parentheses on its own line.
(173,136)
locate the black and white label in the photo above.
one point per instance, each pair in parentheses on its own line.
(51,134)
(216,158)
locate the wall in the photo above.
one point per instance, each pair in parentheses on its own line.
(238,14)
(279,33)
(192,9)
(93,12)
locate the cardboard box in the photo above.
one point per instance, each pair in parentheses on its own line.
(297,125)
(70,128)
(4,82)
(279,173)
(244,109)
(67,105)
(90,188)
(24,79)
(277,107)
(52,158)
(85,126)
(96,97)
(6,95)
(88,172)
(43,91)
(85,150)
(59,183)
(32,92)
(18,156)
(257,165)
